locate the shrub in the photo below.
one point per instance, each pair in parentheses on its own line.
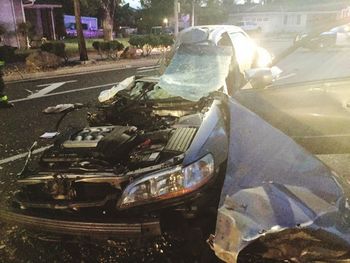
(148,42)
(108,48)
(129,53)
(116,45)
(57,48)
(21,55)
(7,53)
(104,46)
(153,40)
(42,60)
(166,40)
(96,45)
(145,42)
(2,30)
(137,41)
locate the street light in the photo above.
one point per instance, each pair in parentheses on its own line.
(176,17)
(165,21)
(192,16)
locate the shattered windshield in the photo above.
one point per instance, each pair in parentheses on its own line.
(156,93)
(196,70)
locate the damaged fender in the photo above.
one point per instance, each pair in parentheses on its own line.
(277,193)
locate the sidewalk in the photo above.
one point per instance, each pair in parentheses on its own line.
(88,67)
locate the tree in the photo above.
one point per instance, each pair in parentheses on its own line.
(81,40)
(212,13)
(206,11)
(26,31)
(153,12)
(87,7)
(109,10)
(125,16)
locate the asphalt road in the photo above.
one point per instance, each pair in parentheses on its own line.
(21,126)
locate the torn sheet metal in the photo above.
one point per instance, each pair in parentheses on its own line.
(107,95)
(273,185)
(197,70)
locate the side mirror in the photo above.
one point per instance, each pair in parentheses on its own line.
(261,77)
(263,58)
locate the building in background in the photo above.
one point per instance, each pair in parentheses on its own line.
(40,14)
(89,24)
(289,17)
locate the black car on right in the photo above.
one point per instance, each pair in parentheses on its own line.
(323,40)
(337,36)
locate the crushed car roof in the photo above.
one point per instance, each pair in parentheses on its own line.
(212,33)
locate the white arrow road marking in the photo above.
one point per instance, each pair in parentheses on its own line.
(22,155)
(29,91)
(49,87)
(65,92)
(286,76)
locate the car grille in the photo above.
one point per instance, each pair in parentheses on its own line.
(180,140)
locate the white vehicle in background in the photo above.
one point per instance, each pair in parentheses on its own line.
(249,26)
(342,34)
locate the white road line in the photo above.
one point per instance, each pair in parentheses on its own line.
(146,70)
(150,67)
(22,155)
(345,135)
(286,76)
(58,76)
(29,91)
(49,84)
(49,87)
(65,92)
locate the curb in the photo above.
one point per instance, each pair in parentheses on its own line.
(80,70)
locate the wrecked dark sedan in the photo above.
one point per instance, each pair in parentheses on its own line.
(176,152)
(153,156)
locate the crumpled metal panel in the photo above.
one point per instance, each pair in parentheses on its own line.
(273,185)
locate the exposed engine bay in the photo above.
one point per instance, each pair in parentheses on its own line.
(121,148)
(89,167)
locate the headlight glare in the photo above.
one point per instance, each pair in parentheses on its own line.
(168,183)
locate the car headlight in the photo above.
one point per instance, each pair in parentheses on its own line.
(168,183)
(264,58)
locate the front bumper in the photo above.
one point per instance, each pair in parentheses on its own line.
(136,229)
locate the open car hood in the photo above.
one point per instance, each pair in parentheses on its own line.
(275,190)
